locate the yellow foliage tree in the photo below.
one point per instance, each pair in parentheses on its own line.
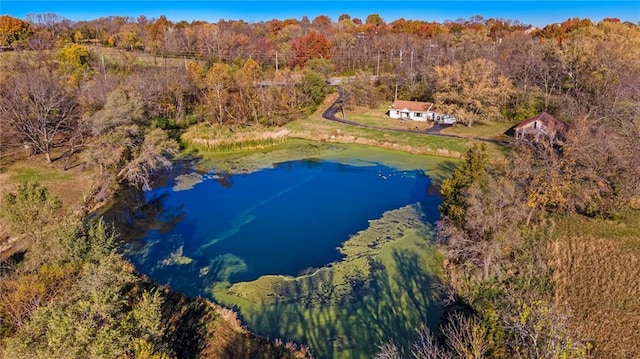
(74,59)
(472,91)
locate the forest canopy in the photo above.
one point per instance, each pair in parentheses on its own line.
(113,96)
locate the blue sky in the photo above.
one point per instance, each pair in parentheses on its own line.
(538,13)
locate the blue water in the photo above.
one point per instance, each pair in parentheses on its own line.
(280,220)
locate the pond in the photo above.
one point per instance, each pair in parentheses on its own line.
(308,250)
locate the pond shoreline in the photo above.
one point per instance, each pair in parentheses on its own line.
(244,162)
(340,152)
(360,254)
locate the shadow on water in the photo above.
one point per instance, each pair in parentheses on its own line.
(134,215)
(443,170)
(417,285)
(387,306)
(399,302)
(224,179)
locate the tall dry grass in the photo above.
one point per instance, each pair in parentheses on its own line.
(225,140)
(598,281)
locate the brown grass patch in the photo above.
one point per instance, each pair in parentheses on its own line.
(70,186)
(219,139)
(227,338)
(598,281)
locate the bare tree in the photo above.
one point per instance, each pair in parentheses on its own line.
(36,103)
(151,157)
(465,337)
(388,351)
(425,346)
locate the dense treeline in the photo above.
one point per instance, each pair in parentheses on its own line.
(476,69)
(81,93)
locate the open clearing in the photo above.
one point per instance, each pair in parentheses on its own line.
(596,265)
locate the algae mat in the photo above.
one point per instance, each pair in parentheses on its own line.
(384,288)
(374,285)
(437,168)
(381,291)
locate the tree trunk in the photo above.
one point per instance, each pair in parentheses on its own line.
(530,215)
(486,265)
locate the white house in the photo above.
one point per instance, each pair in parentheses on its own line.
(418,111)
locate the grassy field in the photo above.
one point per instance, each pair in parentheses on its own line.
(114,57)
(23,174)
(327,131)
(316,128)
(481,129)
(596,267)
(377,117)
(69,185)
(126,59)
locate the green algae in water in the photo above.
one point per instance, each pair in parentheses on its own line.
(381,291)
(187,181)
(352,154)
(176,258)
(320,287)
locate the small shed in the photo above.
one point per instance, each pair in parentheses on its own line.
(541,124)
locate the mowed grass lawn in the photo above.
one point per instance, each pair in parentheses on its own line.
(378,117)
(385,135)
(493,130)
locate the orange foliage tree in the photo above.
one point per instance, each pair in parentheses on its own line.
(314,45)
(13,30)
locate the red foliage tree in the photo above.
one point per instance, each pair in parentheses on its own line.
(313,45)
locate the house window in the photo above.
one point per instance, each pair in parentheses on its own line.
(417,114)
(535,125)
